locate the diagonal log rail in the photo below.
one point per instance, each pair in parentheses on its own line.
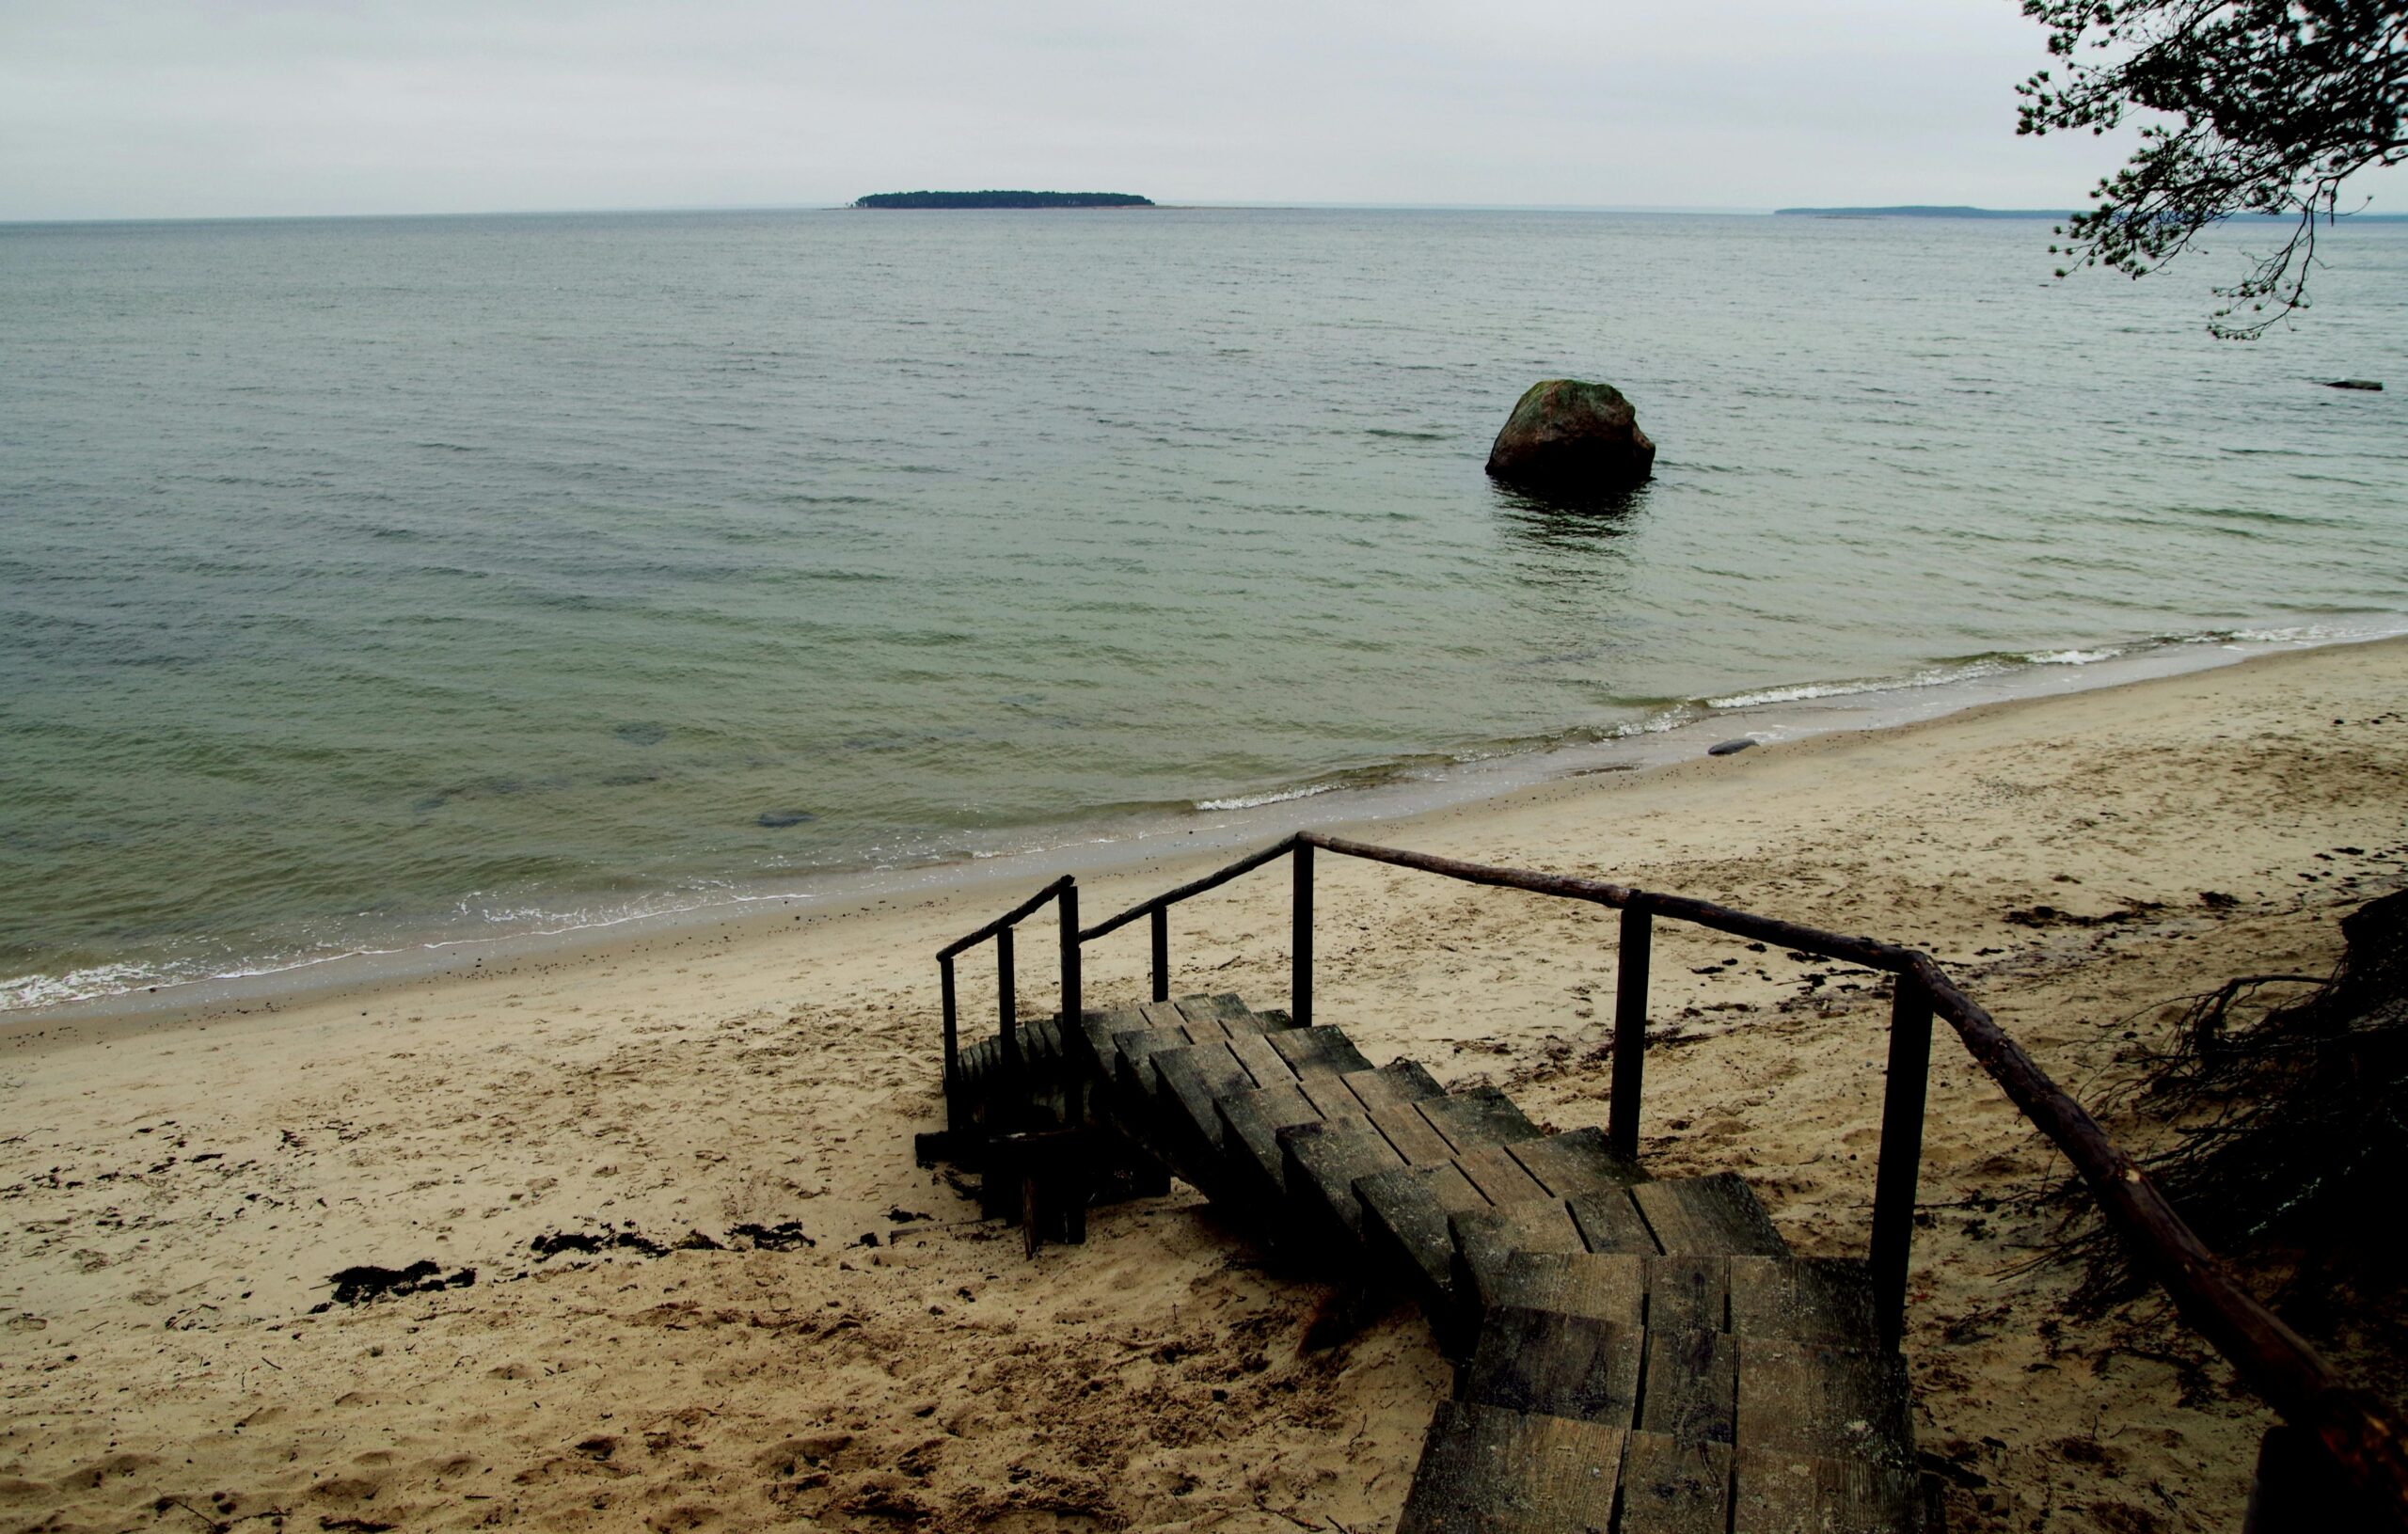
(2354,1429)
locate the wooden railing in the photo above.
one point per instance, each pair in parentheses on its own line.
(1065,891)
(2356,1433)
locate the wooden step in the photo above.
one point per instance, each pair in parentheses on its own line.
(1671,1487)
(1491,1470)
(1478,1117)
(1575,1162)
(1307,1049)
(1371,1126)
(1103,1024)
(1561,1365)
(1825,1401)
(1409,1211)
(1255,1119)
(1484,1239)
(1607,1288)
(1185,1113)
(1803,1300)
(1324,1160)
(1407,1229)
(1773,1493)
(1717,1214)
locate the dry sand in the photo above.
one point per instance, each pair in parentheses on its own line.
(175,1193)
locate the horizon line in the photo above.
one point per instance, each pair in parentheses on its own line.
(1265,205)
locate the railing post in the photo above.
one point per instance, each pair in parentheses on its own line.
(1901,1164)
(1161,925)
(1007,1012)
(1074,1036)
(1300,974)
(1630,1030)
(956,1117)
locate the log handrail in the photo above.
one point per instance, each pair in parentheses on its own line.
(1212,881)
(1010,918)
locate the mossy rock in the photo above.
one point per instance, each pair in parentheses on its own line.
(1567,436)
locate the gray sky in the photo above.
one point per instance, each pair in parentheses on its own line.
(136,108)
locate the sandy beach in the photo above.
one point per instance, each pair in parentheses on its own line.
(179,1191)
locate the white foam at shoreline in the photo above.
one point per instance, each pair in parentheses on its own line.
(1278,796)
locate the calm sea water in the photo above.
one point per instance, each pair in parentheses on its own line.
(372,580)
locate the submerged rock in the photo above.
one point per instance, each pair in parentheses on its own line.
(1569,436)
(780,820)
(2354,383)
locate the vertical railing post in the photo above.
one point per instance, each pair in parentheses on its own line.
(1075,1048)
(1161,952)
(1300,975)
(1008,1014)
(1630,1029)
(1901,1164)
(955,1115)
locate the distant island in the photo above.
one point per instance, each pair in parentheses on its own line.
(1919,209)
(1001,200)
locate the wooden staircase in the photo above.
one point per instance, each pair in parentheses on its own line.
(1633,1354)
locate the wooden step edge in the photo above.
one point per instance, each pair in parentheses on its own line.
(1486,1469)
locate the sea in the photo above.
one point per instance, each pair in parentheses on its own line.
(382,586)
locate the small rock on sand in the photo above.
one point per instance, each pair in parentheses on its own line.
(1729,748)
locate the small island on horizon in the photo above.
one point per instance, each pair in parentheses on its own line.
(1002,199)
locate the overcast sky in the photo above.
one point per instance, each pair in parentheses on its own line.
(148,108)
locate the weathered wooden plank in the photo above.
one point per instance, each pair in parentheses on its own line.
(1486,1238)
(1413,1139)
(1773,1493)
(1612,1288)
(1477,1116)
(1225,1005)
(1575,1162)
(1398,1084)
(1260,1060)
(1274,1019)
(1827,1402)
(1323,1160)
(1197,1078)
(1669,1487)
(1717,1214)
(1256,1119)
(1161,1014)
(1207,1029)
(1499,1176)
(1803,1300)
(1325,1048)
(1485,1470)
(1692,1386)
(1610,1222)
(1135,1051)
(1404,1227)
(1565,1366)
(1101,1023)
(1687,1293)
(1042,1040)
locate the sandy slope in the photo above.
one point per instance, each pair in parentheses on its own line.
(174,1196)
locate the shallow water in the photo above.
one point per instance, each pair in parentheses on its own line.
(366,580)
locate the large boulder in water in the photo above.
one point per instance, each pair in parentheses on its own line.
(1567,436)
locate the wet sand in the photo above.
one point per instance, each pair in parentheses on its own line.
(177,1190)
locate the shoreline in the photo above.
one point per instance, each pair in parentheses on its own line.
(180,1193)
(1770,716)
